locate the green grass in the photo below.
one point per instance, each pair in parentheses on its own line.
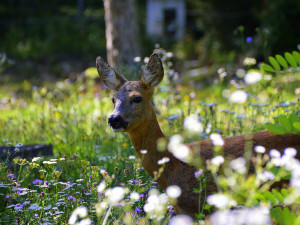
(72,116)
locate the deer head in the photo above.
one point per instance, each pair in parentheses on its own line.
(132,100)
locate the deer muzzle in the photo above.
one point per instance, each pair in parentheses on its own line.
(117,123)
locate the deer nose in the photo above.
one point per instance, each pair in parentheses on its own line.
(117,122)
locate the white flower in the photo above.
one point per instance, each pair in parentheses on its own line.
(156,204)
(101,187)
(217,160)
(46,162)
(80,212)
(53,160)
(252,77)
(132,157)
(238,97)
(181,220)
(115,195)
(144,151)
(177,148)
(265,176)
(62,159)
(216,139)
(220,201)
(163,160)
(146,59)
(173,191)
(290,152)
(86,221)
(249,61)
(238,165)
(254,216)
(36,159)
(137,59)
(295,180)
(260,149)
(134,196)
(192,124)
(240,73)
(274,153)
(79,180)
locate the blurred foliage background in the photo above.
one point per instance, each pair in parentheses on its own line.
(50,39)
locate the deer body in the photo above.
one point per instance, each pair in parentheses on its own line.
(133,113)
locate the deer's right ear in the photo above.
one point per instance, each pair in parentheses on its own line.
(108,76)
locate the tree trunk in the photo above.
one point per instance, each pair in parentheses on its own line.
(122,42)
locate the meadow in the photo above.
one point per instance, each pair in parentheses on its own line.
(95,177)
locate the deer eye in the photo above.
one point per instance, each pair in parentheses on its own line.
(137,99)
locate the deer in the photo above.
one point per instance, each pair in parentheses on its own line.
(134,114)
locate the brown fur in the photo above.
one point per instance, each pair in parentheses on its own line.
(144,131)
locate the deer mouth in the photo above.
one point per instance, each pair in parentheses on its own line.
(117,124)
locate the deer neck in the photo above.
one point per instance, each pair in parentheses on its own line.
(145,137)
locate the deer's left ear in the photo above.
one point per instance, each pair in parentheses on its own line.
(153,72)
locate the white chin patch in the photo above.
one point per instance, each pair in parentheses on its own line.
(118,130)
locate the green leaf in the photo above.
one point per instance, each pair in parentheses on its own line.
(289,57)
(293,118)
(275,129)
(267,68)
(284,192)
(296,125)
(282,61)
(297,57)
(278,196)
(276,213)
(274,63)
(285,123)
(287,216)
(270,197)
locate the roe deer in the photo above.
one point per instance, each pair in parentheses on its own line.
(134,113)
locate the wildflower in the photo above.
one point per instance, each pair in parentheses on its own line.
(34,206)
(290,152)
(192,124)
(35,159)
(178,149)
(192,95)
(115,194)
(163,160)
(181,219)
(79,180)
(260,149)
(132,157)
(80,212)
(5,140)
(46,182)
(101,187)
(199,173)
(274,153)
(252,77)
(217,160)
(144,151)
(18,145)
(146,59)
(265,176)
(137,59)
(11,176)
(249,40)
(7,196)
(216,139)
(240,73)
(138,210)
(71,198)
(220,201)
(249,61)
(86,221)
(238,165)
(295,180)
(37,181)
(19,207)
(48,207)
(173,191)
(134,196)
(238,97)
